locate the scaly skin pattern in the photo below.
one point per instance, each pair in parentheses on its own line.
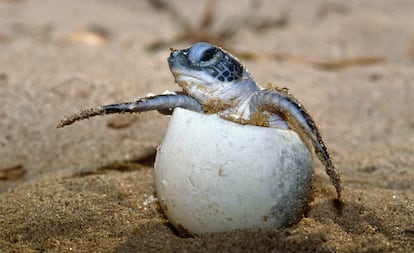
(214,81)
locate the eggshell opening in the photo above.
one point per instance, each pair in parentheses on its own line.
(214,175)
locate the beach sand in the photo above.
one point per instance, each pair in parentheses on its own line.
(89,187)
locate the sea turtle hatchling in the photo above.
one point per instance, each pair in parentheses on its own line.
(215,82)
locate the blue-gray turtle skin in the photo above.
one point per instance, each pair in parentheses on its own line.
(214,81)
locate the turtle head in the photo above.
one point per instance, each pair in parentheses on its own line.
(211,75)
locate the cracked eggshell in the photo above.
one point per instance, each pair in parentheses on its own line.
(214,175)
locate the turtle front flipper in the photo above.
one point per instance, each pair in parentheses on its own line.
(163,103)
(280,101)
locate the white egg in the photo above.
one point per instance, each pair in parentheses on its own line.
(214,175)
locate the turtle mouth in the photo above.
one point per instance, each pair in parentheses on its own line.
(177,60)
(186,80)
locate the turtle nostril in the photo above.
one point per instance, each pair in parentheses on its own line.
(174,52)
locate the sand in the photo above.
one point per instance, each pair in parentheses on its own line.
(89,187)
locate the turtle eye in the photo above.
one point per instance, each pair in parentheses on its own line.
(208,54)
(203,54)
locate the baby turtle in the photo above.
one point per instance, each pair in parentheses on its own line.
(214,81)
